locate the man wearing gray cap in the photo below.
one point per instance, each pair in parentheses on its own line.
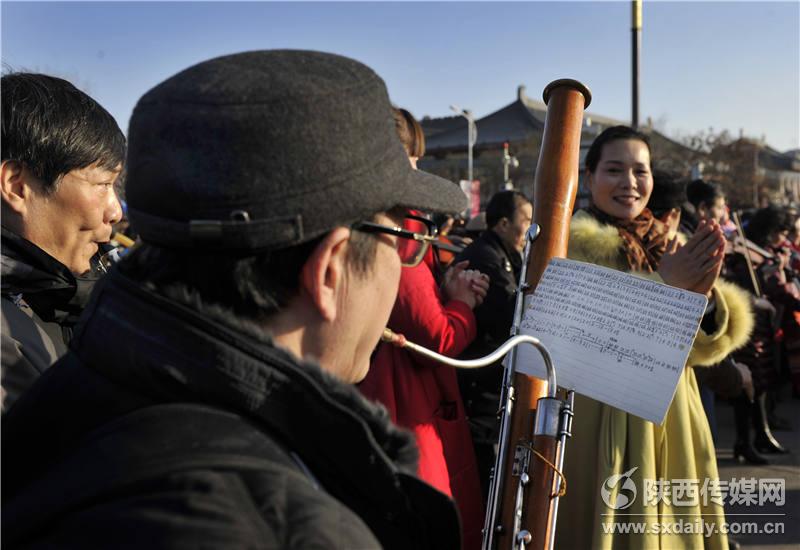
(207,398)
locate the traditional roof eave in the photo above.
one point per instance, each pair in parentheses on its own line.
(512,123)
(518,121)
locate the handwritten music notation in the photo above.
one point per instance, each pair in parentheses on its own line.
(617,338)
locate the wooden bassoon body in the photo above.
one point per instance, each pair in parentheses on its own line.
(524,494)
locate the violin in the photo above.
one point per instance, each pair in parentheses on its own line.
(753,254)
(758,255)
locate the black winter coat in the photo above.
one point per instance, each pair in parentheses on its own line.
(162,428)
(41,302)
(481,387)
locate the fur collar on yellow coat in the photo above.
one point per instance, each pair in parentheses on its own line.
(608,442)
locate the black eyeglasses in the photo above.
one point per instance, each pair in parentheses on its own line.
(416,238)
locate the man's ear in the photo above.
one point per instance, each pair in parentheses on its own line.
(322,274)
(14,186)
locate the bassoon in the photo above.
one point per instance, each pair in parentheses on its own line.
(526,483)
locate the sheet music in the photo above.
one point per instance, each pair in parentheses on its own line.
(614,337)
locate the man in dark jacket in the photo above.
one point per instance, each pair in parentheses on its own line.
(497,253)
(207,401)
(61,156)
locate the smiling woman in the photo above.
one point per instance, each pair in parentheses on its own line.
(621,182)
(620,232)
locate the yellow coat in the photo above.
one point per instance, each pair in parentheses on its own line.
(607,441)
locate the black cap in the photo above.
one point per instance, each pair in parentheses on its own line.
(268,149)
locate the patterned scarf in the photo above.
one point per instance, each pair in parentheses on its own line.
(644,239)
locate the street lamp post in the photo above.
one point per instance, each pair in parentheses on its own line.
(636,45)
(472,135)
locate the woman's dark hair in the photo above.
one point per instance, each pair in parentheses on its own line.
(703,192)
(503,204)
(607,136)
(233,288)
(410,132)
(766,222)
(52,127)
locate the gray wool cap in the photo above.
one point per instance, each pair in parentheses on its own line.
(268,149)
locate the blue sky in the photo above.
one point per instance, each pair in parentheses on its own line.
(721,64)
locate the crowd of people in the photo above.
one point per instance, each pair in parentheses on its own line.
(223,383)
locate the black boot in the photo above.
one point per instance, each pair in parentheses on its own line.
(765,442)
(743,451)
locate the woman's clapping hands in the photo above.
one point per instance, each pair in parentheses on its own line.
(695,265)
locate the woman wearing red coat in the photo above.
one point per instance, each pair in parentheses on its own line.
(423,396)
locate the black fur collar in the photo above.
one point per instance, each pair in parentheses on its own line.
(171,352)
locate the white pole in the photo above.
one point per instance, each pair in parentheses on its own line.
(470,132)
(472,135)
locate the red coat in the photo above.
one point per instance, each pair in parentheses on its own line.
(424,397)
